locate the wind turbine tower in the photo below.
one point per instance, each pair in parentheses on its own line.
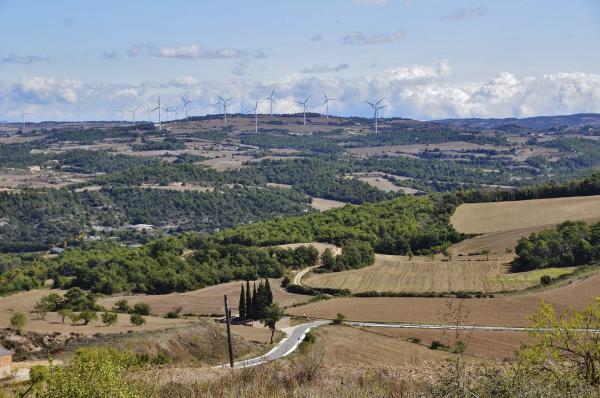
(326,103)
(133,111)
(271,100)
(121,111)
(158,108)
(186,106)
(376,107)
(304,105)
(23,114)
(255,110)
(224,102)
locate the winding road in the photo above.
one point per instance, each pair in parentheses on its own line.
(294,336)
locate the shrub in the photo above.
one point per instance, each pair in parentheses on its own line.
(109,318)
(87,316)
(18,320)
(174,313)
(121,306)
(339,319)
(437,345)
(137,319)
(141,309)
(545,280)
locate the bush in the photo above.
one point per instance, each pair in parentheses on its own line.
(174,314)
(310,337)
(545,280)
(109,318)
(437,345)
(18,321)
(137,319)
(121,306)
(87,316)
(141,309)
(339,319)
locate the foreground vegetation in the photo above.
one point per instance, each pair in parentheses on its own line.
(562,361)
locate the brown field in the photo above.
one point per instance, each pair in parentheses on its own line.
(23,302)
(498,311)
(398,274)
(233,162)
(15,178)
(321,247)
(476,218)
(348,345)
(203,301)
(326,204)
(415,149)
(486,345)
(178,186)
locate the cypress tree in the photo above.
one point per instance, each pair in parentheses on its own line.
(242,304)
(254,303)
(268,292)
(248,300)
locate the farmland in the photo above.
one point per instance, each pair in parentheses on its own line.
(477,218)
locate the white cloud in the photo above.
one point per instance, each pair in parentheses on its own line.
(194,51)
(362,39)
(417,91)
(316,38)
(326,68)
(22,59)
(464,13)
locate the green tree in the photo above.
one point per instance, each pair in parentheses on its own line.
(268,292)
(137,319)
(18,321)
(87,316)
(141,309)
(248,300)
(65,313)
(109,318)
(242,303)
(271,315)
(121,306)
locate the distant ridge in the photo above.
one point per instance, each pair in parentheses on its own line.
(534,123)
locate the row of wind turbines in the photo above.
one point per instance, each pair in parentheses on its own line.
(222,103)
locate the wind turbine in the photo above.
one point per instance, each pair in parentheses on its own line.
(304,105)
(376,107)
(121,111)
(255,110)
(23,114)
(186,106)
(133,111)
(271,100)
(326,103)
(224,102)
(158,108)
(169,109)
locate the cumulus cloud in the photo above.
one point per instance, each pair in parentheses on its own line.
(362,39)
(22,59)
(316,38)
(326,68)
(417,91)
(464,13)
(139,49)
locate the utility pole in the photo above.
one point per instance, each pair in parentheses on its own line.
(228,318)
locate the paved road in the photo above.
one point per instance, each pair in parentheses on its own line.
(295,335)
(457,327)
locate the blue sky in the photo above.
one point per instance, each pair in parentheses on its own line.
(430,59)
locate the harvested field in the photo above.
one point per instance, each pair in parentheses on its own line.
(498,311)
(476,218)
(326,204)
(203,301)
(398,274)
(178,186)
(321,247)
(348,345)
(485,345)
(232,162)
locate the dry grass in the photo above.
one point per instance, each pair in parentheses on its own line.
(348,345)
(326,204)
(499,311)
(485,345)
(203,301)
(476,218)
(398,274)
